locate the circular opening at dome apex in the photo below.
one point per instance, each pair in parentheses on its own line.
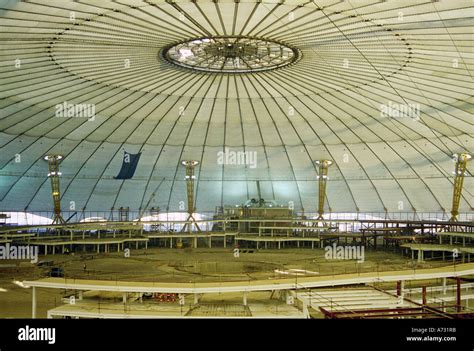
(230,54)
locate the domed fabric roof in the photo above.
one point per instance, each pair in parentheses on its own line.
(381,88)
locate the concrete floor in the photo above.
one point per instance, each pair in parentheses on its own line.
(184,265)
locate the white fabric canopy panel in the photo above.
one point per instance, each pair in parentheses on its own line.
(381,88)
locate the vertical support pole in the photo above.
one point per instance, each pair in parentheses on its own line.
(305,309)
(423,295)
(33,303)
(245,298)
(458,294)
(400,288)
(420,256)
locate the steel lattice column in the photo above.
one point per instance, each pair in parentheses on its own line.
(190,165)
(322,178)
(459,172)
(53,175)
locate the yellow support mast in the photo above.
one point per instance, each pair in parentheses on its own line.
(190,177)
(323,166)
(460,160)
(53,175)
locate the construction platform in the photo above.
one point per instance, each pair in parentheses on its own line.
(195,289)
(455,251)
(66,245)
(82,309)
(254,285)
